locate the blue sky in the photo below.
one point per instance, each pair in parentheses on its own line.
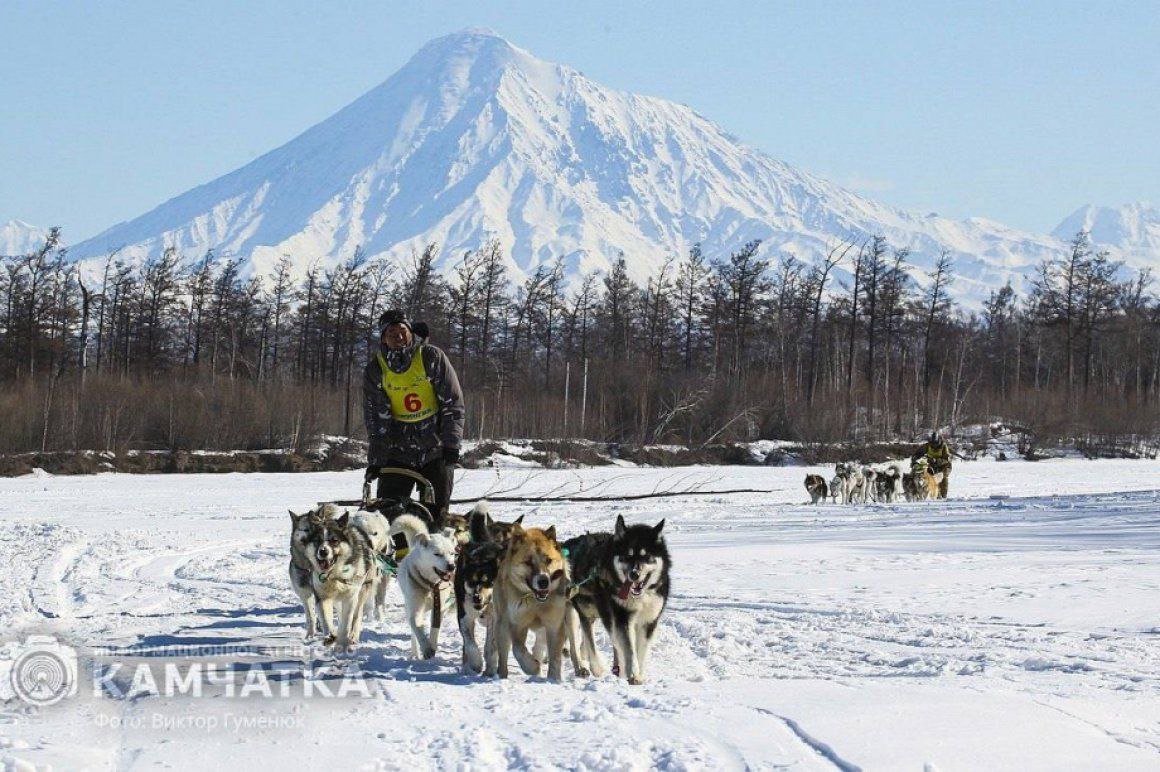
(1019,112)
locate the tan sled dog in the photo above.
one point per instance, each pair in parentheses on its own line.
(926,482)
(530,594)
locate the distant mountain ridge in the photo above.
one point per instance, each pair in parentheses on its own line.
(1132,231)
(18,238)
(475,138)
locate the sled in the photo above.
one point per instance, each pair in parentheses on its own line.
(391,506)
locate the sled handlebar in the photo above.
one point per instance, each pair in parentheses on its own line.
(426,489)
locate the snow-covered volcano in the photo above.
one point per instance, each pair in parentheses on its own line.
(475,137)
(1131,231)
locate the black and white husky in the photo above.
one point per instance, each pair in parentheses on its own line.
(333,569)
(817,488)
(623,578)
(476,570)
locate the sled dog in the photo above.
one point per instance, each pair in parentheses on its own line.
(852,482)
(925,482)
(457,528)
(623,578)
(889,484)
(425,580)
(476,570)
(530,594)
(332,568)
(816,486)
(869,484)
(497,530)
(377,529)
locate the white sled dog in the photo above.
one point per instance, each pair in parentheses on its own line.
(869,490)
(850,482)
(425,576)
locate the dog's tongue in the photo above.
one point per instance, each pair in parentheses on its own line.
(624,590)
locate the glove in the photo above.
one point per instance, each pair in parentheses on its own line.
(451,456)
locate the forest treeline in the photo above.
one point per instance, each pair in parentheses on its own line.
(176,353)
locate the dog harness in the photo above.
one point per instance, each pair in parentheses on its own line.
(574,588)
(344,575)
(411,392)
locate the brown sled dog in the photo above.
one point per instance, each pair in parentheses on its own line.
(530,594)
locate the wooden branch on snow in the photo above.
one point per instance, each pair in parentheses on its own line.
(627,497)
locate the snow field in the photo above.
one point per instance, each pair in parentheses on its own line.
(1013,626)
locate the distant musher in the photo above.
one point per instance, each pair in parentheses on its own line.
(938,456)
(413,409)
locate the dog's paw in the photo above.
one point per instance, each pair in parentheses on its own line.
(428,652)
(636,680)
(583,672)
(329,640)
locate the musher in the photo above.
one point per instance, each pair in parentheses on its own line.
(413,409)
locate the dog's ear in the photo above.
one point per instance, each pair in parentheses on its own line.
(293,516)
(343,520)
(658,528)
(519,520)
(422,539)
(551,533)
(515,534)
(620,526)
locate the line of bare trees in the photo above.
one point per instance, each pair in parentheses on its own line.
(197,354)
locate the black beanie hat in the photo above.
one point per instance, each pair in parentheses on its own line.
(393,316)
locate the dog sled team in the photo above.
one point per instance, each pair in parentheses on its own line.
(854,483)
(514,581)
(511,580)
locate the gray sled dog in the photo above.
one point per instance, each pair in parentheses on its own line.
(622,578)
(425,576)
(332,569)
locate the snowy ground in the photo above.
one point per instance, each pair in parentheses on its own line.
(1016,626)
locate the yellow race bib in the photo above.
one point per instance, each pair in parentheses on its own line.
(411,393)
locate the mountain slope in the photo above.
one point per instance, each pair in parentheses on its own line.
(474,138)
(1131,231)
(19,238)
